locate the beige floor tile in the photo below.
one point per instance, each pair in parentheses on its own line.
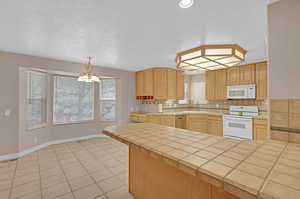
(67,196)
(36,195)
(5,184)
(89,192)
(32,187)
(56,190)
(52,180)
(110,184)
(121,193)
(81,182)
(26,179)
(102,175)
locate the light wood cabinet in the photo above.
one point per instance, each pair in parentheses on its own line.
(210,85)
(148,82)
(139,83)
(154,119)
(233,76)
(260,129)
(215,125)
(160,83)
(280,113)
(220,87)
(247,74)
(261,80)
(197,122)
(172,84)
(180,85)
(168,120)
(294,113)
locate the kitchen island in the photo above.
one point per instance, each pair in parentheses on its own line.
(171,163)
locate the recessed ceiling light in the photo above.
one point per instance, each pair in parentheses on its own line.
(186,3)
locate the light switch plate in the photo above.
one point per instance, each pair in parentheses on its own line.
(7,113)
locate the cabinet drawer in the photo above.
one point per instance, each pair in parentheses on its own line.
(215,117)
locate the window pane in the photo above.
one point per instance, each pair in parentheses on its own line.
(73,100)
(36,99)
(108,110)
(108,89)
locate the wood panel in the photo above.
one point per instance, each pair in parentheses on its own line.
(233,76)
(160,83)
(210,85)
(197,123)
(180,85)
(168,120)
(280,113)
(148,82)
(260,129)
(247,74)
(261,80)
(172,84)
(154,119)
(215,125)
(220,87)
(180,121)
(152,178)
(139,83)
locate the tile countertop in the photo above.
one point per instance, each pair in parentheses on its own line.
(260,169)
(263,115)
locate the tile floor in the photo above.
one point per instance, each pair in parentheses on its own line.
(90,169)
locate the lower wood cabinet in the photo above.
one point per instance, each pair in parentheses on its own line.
(197,123)
(154,119)
(215,125)
(168,120)
(260,129)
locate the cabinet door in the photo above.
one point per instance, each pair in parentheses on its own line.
(215,125)
(233,76)
(247,74)
(160,83)
(221,87)
(172,76)
(260,130)
(139,83)
(148,82)
(168,120)
(210,85)
(180,85)
(154,119)
(197,123)
(261,81)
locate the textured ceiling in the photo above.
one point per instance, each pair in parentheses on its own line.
(132,34)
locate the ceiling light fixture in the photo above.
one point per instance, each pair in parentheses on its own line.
(88,76)
(210,57)
(186,3)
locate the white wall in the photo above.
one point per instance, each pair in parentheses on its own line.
(284,49)
(13,137)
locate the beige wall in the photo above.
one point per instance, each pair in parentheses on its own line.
(284,51)
(13,136)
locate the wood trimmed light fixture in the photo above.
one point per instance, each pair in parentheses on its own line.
(88,76)
(210,57)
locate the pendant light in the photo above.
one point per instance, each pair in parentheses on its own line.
(88,76)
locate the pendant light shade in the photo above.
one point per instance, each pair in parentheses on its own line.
(88,76)
(210,57)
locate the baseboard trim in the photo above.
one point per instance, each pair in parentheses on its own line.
(38,147)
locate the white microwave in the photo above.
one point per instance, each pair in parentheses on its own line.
(241,92)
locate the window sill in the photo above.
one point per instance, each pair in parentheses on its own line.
(37,127)
(75,122)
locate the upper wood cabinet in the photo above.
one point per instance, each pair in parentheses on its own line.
(233,76)
(172,84)
(247,74)
(148,82)
(221,89)
(180,85)
(261,80)
(159,83)
(210,85)
(140,83)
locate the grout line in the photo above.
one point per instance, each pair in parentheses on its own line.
(12,181)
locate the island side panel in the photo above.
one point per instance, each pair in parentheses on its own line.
(151,177)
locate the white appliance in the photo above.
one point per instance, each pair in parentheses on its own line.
(239,123)
(241,92)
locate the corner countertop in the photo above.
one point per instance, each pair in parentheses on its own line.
(260,169)
(262,115)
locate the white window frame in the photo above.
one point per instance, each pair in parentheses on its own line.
(102,119)
(28,93)
(53,103)
(187,98)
